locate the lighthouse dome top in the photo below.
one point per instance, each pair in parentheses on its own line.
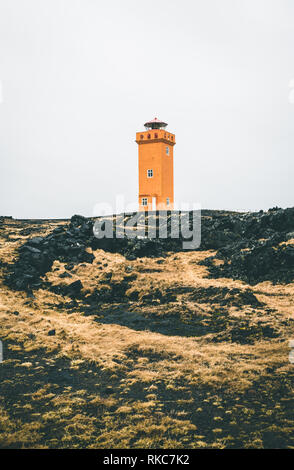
(155,124)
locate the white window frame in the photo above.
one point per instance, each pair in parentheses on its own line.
(150,173)
(144,201)
(167,150)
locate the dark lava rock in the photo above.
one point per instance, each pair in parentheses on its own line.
(246,333)
(78,220)
(225,296)
(51,333)
(69,266)
(66,243)
(259,263)
(74,288)
(248,243)
(151,297)
(64,275)
(168,297)
(36,241)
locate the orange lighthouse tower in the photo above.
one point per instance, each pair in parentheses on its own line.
(156,167)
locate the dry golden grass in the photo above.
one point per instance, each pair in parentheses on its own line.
(129,387)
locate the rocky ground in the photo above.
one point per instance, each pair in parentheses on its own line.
(139,343)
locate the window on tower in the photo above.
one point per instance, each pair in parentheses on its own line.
(155,135)
(167,150)
(149,136)
(141,136)
(149,173)
(167,201)
(144,201)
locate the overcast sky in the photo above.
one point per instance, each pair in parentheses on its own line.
(79,78)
